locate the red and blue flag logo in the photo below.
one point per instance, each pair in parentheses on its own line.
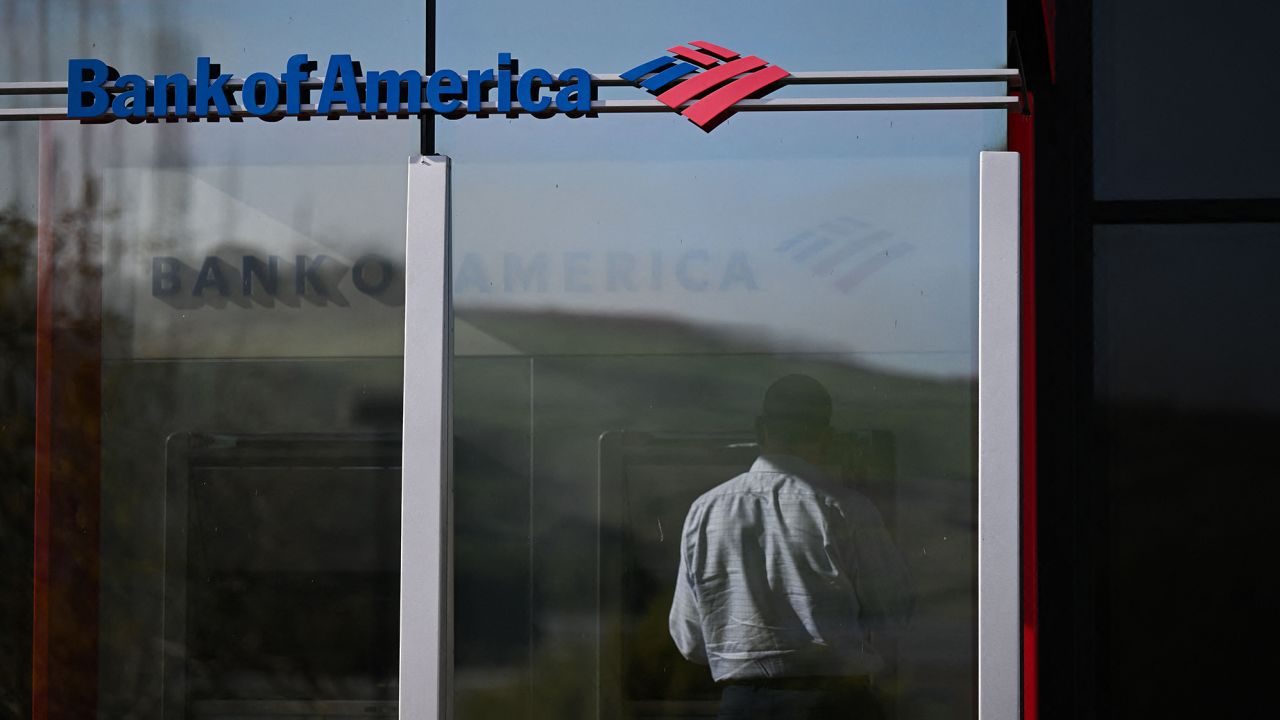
(703,81)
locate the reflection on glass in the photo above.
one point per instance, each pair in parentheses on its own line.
(784,574)
(282,578)
(627,287)
(574,476)
(252,303)
(239,285)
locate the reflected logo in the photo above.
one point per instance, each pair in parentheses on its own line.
(703,81)
(583,271)
(844,251)
(317,279)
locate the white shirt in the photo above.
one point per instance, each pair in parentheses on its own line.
(782,574)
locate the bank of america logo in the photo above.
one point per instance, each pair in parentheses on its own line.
(710,77)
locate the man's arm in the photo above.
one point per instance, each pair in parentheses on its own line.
(881,578)
(686,620)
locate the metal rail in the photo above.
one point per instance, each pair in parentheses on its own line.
(1010,78)
(841,77)
(238,113)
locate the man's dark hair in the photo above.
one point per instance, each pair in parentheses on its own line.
(797,409)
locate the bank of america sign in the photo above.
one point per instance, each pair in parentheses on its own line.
(704,82)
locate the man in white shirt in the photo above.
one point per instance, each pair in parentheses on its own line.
(785,574)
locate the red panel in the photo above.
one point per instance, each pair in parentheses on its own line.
(716,50)
(1022,140)
(693,56)
(710,107)
(698,84)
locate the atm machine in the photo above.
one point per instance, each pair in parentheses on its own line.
(267,538)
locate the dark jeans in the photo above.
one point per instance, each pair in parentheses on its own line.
(794,701)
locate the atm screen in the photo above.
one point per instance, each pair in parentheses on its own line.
(282,576)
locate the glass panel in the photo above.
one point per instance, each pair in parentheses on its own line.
(231,296)
(627,287)
(1161,129)
(1189,406)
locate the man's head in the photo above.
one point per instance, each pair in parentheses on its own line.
(796,418)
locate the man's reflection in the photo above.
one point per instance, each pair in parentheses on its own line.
(784,573)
